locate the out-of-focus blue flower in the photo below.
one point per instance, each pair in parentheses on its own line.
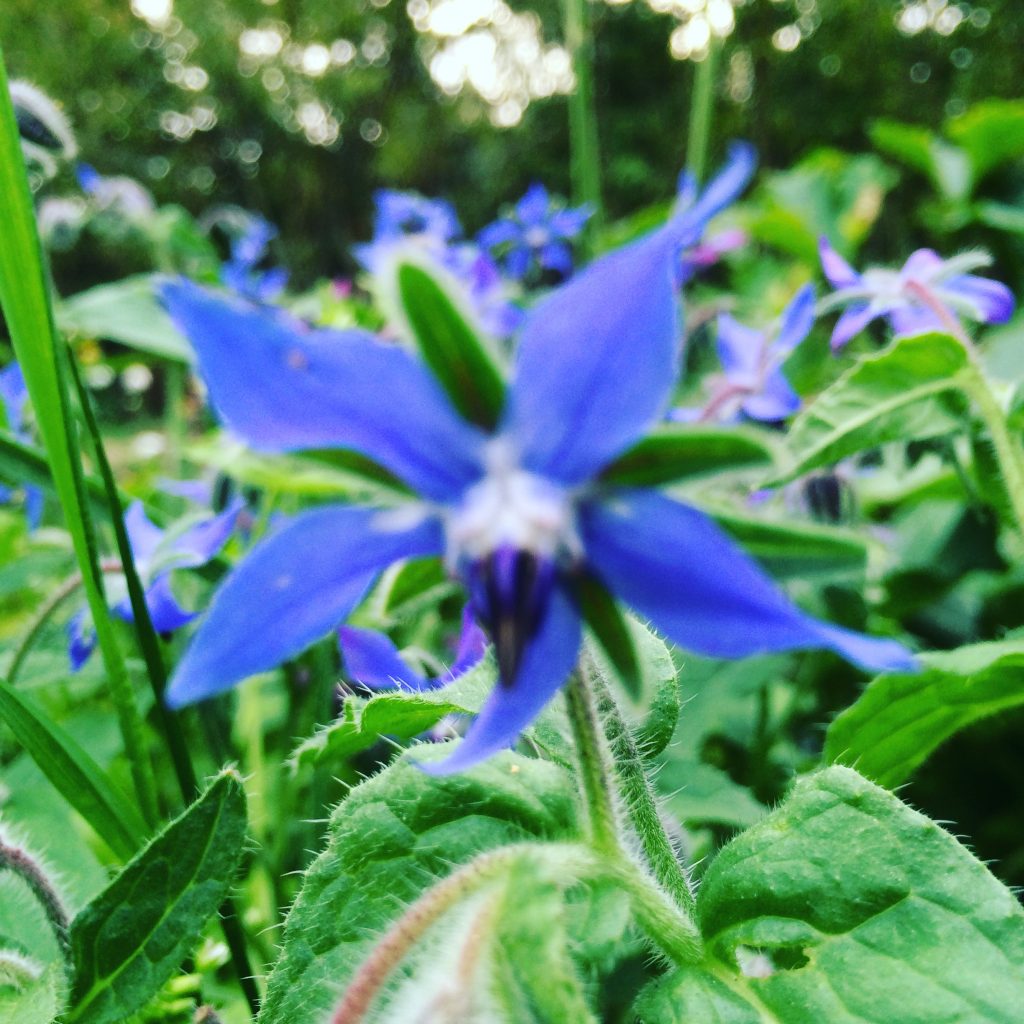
(521,516)
(752,382)
(241,272)
(156,554)
(116,193)
(695,207)
(373,660)
(15,403)
(926,293)
(536,236)
(429,224)
(409,225)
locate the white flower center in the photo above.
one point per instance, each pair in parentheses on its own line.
(511,507)
(537,236)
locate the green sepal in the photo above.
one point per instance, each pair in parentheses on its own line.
(686,451)
(795,549)
(451,348)
(602,614)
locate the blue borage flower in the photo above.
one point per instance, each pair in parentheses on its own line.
(372,659)
(156,553)
(249,245)
(520,516)
(926,293)
(752,382)
(411,226)
(14,402)
(536,237)
(695,207)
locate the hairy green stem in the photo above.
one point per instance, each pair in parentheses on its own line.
(640,803)
(667,919)
(20,863)
(594,767)
(42,617)
(1009,453)
(702,110)
(584,147)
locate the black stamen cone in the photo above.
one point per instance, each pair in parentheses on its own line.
(510,598)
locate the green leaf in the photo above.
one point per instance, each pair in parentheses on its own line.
(21,464)
(74,774)
(390,840)
(900,719)
(796,550)
(949,167)
(127,312)
(992,133)
(533,977)
(846,906)
(691,994)
(909,391)
(450,346)
(688,450)
(400,714)
(135,934)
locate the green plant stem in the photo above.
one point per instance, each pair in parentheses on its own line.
(593,764)
(1009,453)
(640,804)
(702,110)
(670,925)
(42,617)
(584,147)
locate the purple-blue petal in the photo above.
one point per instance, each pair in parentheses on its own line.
(144,536)
(500,232)
(282,389)
(569,223)
(164,610)
(724,188)
(547,660)
(518,262)
(839,273)
(740,349)
(797,321)
(556,256)
(597,361)
(199,543)
(915,320)
(678,568)
(775,399)
(81,640)
(995,302)
(535,205)
(373,660)
(14,398)
(853,320)
(290,590)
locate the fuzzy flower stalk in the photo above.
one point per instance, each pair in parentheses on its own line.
(525,511)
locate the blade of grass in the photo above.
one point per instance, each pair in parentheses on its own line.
(25,300)
(74,774)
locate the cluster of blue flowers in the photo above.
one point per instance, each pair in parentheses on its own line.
(524,515)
